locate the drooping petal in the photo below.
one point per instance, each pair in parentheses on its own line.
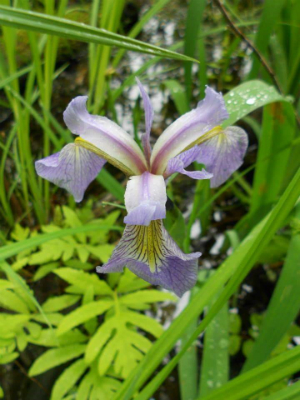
(183,160)
(145,199)
(223,154)
(152,254)
(113,143)
(186,130)
(73,168)
(148,120)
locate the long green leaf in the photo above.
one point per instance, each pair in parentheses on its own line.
(237,265)
(215,361)
(188,366)
(193,25)
(252,382)
(111,184)
(157,6)
(289,393)
(268,20)
(247,97)
(277,132)
(6,81)
(283,308)
(61,27)
(178,94)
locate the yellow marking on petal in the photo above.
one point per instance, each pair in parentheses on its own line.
(217,130)
(116,163)
(149,245)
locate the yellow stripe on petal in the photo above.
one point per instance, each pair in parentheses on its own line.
(113,161)
(187,130)
(151,253)
(147,244)
(114,144)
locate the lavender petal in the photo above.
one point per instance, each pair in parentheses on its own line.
(148,120)
(187,129)
(73,168)
(152,254)
(183,160)
(145,199)
(223,154)
(115,144)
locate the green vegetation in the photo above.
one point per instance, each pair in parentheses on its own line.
(73,334)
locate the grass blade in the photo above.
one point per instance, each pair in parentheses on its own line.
(268,20)
(38,22)
(111,184)
(289,393)
(178,94)
(193,24)
(215,362)
(252,382)
(188,366)
(139,26)
(283,308)
(277,132)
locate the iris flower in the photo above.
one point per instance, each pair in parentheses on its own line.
(145,247)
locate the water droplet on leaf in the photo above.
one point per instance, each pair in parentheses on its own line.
(251,101)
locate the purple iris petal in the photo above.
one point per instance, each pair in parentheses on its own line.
(183,160)
(223,154)
(73,168)
(116,145)
(148,120)
(187,129)
(152,254)
(213,107)
(145,213)
(145,199)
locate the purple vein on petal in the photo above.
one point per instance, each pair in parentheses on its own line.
(104,134)
(152,254)
(187,129)
(145,199)
(73,168)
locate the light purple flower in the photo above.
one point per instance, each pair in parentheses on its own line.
(146,248)
(73,168)
(152,254)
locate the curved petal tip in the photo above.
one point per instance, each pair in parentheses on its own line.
(152,254)
(73,169)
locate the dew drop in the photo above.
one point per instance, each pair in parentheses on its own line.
(251,101)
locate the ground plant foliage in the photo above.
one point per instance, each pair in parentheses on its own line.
(70,333)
